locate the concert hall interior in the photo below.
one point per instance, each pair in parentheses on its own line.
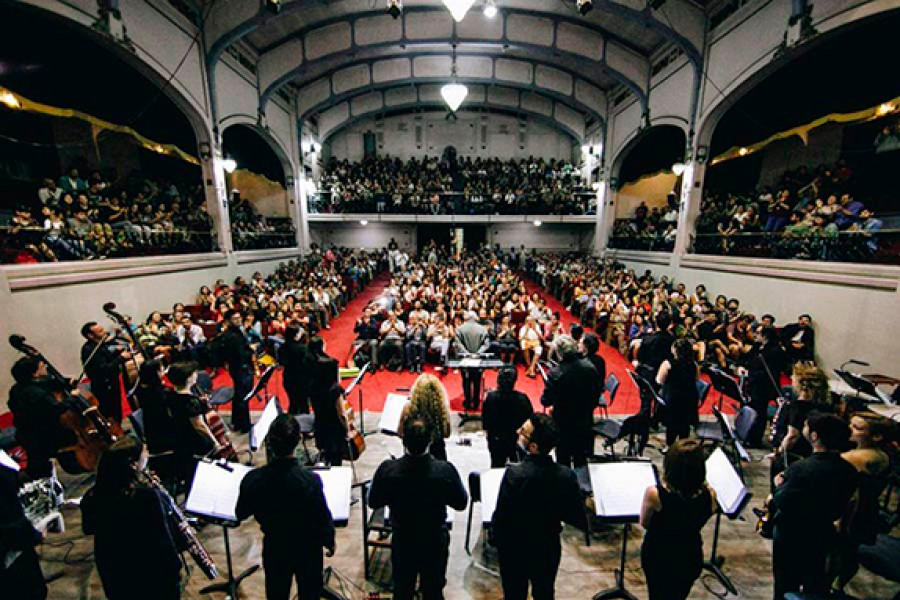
(463,299)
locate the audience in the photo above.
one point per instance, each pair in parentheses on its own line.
(648,228)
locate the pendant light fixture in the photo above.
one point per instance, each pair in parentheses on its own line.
(454,92)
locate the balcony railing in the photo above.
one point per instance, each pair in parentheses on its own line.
(656,243)
(453,203)
(878,247)
(243,239)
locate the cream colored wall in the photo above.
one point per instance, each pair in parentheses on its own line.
(50,318)
(652,190)
(850,322)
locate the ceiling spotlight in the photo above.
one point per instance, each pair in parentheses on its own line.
(678,169)
(458,8)
(490,9)
(229,164)
(363,222)
(395,7)
(585,6)
(273,6)
(538,223)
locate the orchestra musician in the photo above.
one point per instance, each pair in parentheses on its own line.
(20,570)
(36,415)
(293,355)
(505,410)
(765,364)
(289,504)
(471,338)
(103,361)
(327,398)
(119,505)
(238,355)
(193,437)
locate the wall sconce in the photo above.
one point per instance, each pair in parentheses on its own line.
(289,181)
(702,154)
(205,150)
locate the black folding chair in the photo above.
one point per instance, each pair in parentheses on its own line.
(610,387)
(376,531)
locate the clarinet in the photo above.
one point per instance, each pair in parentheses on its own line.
(186,539)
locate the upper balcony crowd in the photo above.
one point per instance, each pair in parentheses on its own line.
(468,186)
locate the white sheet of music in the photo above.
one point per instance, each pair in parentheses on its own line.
(619,487)
(7,461)
(215,490)
(261,428)
(390,414)
(336,483)
(470,362)
(721,476)
(490,492)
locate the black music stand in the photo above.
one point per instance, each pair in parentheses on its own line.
(230,586)
(732,496)
(262,385)
(357,381)
(860,384)
(725,385)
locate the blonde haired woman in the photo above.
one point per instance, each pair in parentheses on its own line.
(428,400)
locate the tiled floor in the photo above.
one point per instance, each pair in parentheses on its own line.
(583,572)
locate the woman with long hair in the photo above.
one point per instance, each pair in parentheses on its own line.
(120,505)
(428,400)
(678,379)
(327,398)
(503,413)
(672,515)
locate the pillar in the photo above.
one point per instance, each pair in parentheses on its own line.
(689,206)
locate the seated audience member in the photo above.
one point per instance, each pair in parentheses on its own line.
(441,334)
(367,333)
(392,333)
(505,341)
(530,338)
(800,340)
(416,343)
(672,514)
(504,412)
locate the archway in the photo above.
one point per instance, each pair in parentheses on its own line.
(256,180)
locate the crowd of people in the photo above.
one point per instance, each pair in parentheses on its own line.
(807,214)
(449,185)
(73,218)
(252,231)
(647,228)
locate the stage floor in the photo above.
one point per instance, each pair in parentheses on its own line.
(583,571)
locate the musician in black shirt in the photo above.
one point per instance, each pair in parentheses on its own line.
(239,357)
(418,488)
(22,578)
(36,415)
(504,412)
(809,497)
(102,363)
(766,362)
(289,504)
(536,495)
(293,355)
(656,348)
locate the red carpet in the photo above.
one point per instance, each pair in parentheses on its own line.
(375,387)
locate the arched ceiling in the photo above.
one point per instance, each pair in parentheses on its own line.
(336,51)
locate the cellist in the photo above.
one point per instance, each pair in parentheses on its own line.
(36,415)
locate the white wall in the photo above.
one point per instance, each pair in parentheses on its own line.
(398,137)
(549,236)
(850,322)
(354,235)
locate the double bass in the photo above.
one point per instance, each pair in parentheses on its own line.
(91,431)
(133,366)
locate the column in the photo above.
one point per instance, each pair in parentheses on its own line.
(217,200)
(606,215)
(301,214)
(689,206)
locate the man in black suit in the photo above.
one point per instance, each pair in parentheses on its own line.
(418,488)
(572,390)
(656,348)
(471,338)
(536,496)
(289,504)
(102,363)
(238,356)
(293,355)
(765,364)
(809,497)
(36,415)
(800,340)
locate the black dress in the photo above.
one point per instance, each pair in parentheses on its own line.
(502,415)
(331,438)
(672,552)
(681,397)
(134,521)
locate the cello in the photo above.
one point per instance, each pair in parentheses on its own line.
(132,368)
(91,431)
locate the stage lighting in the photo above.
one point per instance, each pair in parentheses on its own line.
(273,6)
(395,7)
(363,222)
(585,6)
(229,164)
(490,9)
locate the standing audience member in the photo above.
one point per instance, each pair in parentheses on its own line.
(678,379)
(418,488)
(809,497)
(572,390)
(289,504)
(672,514)
(535,497)
(504,412)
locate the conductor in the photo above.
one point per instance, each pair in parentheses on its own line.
(471,338)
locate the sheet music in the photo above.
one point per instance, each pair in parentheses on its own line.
(215,490)
(390,414)
(721,476)
(470,362)
(261,428)
(336,483)
(490,492)
(619,487)
(7,461)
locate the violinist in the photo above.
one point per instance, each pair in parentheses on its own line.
(193,436)
(36,415)
(103,362)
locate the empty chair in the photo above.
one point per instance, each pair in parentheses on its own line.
(610,388)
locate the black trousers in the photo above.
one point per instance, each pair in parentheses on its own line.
(534,564)
(240,408)
(283,564)
(110,402)
(799,562)
(298,399)
(423,556)
(502,451)
(23,580)
(759,403)
(471,379)
(574,445)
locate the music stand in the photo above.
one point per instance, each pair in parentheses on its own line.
(357,381)
(732,496)
(860,384)
(260,429)
(725,385)
(213,497)
(261,384)
(618,495)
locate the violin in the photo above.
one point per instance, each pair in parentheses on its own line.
(92,432)
(133,366)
